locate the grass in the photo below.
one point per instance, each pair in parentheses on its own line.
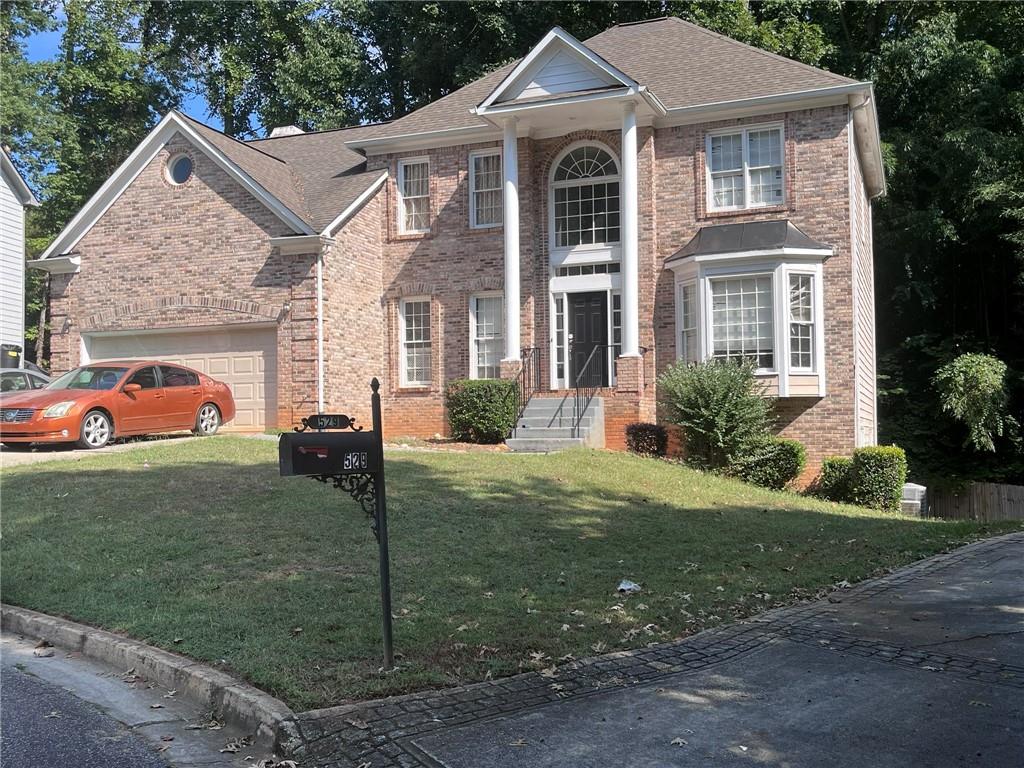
(499,562)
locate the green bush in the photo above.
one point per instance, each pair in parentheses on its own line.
(835,482)
(972,389)
(481,410)
(878,473)
(719,407)
(646,439)
(771,463)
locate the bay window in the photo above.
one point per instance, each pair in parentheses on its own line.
(741,320)
(487,338)
(801,322)
(689,349)
(745,168)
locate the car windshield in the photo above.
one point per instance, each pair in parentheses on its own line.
(90,377)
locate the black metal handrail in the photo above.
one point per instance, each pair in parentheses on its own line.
(528,383)
(589,379)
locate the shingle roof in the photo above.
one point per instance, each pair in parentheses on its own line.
(749,236)
(683,64)
(313,174)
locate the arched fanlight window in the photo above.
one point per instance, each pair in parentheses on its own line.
(585,196)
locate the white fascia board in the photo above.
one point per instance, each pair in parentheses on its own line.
(781,101)
(556,36)
(444,137)
(356,205)
(811,255)
(868,140)
(14,180)
(57,265)
(134,164)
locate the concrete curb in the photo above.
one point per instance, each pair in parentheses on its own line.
(238,704)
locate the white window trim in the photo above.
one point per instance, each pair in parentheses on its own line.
(799,369)
(495,151)
(702,273)
(474,364)
(559,253)
(744,130)
(680,329)
(401,194)
(402,355)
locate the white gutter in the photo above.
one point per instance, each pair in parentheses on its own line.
(57,265)
(384,140)
(714,106)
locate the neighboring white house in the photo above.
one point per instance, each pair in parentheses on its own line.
(14,197)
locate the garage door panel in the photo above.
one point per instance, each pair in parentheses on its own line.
(244,359)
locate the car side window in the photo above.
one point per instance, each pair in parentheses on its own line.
(144,377)
(36,382)
(13,382)
(177,377)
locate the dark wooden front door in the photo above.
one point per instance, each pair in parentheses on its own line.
(588,324)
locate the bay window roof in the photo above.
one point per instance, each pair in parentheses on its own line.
(754,236)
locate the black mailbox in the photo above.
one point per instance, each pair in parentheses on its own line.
(328,453)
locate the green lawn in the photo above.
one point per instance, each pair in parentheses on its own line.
(499,562)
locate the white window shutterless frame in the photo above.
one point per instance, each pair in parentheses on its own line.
(485,192)
(413,196)
(486,335)
(415,340)
(745,167)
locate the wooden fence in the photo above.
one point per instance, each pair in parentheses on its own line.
(979,501)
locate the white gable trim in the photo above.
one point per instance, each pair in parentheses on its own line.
(140,157)
(555,40)
(15,182)
(355,206)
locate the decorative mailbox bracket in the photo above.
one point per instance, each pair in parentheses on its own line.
(353,460)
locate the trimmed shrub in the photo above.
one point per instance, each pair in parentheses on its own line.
(481,410)
(646,439)
(878,473)
(835,482)
(719,407)
(771,463)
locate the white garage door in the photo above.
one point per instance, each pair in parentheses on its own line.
(243,358)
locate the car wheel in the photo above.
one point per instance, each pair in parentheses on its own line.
(96,430)
(207,420)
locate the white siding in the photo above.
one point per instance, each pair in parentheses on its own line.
(12,266)
(865,375)
(564,72)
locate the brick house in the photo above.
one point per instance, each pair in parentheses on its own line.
(592,212)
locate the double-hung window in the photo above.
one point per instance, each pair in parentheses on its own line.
(801,322)
(413,196)
(742,327)
(688,345)
(485,199)
(414,322)
(745,168)
(485,326)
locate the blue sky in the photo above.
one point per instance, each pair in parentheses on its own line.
(44,45)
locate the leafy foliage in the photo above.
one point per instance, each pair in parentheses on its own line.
(646,439)
(835,482)
(972,389)
(719,407)
(878,473)
(771,463)
(481,410)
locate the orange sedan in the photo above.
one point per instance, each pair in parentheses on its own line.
(94,404)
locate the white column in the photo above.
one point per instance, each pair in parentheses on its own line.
(510,173)
(630,246)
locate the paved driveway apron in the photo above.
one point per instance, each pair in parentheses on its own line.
(921,668)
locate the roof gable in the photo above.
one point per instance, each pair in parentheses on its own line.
(266,177)
(558,64)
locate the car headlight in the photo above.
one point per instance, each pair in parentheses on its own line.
(58,409)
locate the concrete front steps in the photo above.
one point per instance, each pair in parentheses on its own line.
(546,425)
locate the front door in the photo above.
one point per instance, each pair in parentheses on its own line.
(588,326)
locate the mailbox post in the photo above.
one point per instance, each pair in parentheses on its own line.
(353,460)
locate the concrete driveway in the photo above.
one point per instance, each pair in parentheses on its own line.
(922,668)
(16,457)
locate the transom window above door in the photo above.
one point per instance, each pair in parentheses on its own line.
(585,198)
(745,168)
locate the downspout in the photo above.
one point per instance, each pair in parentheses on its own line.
(320,328)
